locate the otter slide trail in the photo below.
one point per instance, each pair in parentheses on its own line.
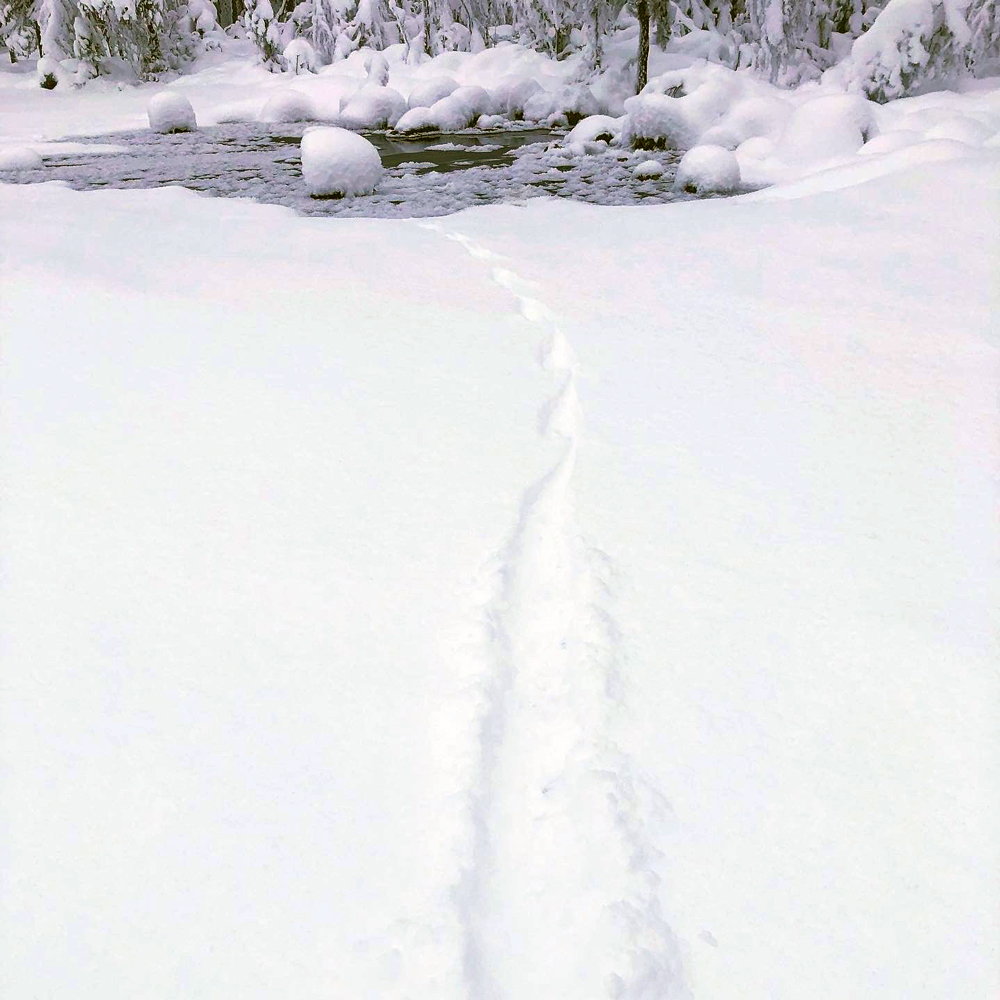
(559,891)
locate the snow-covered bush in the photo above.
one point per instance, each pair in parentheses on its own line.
(171,112)
(339,163)
(264,30)
(19,158)
(288,106)
(913,42)
(708,170)
(300,56)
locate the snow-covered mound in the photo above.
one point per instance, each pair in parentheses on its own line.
(656,121)
(19,158)
(827,127)
(961,129)
(338,162)
(289,106)
(569,104)
(746,119)
(708,170)
(648,170)
(429,92)
(460,109)
(513,92)
(593,134)
(373,107)
(171,112)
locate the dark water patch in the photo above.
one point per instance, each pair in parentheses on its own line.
(426,175)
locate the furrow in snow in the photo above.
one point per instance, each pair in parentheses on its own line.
(560,893)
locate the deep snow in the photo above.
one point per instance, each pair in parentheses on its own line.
(550,600)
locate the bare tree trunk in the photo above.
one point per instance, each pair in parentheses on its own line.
(225,13)
(642,67)
(428,47)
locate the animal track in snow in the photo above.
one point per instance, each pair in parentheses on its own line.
(559,897)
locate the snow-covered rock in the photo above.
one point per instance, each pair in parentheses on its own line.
(373,107)
(19,158)
(288,106)
(648,170)
(429,92)
(593,135)
(300,56)
(708,170)
(338,162)
(657,121)
(418,120)
(477,100)
(171,112)
(595,128)
(826,127)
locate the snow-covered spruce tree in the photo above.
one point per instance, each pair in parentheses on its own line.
(264,30)
(544,25)
(376,23)
(321,23)
(55,19)
(19,29)
(913,42)
(597,18)
(144,37)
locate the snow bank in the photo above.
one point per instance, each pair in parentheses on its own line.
(19,158)
(429,92)
(289,106)
(708,170)
(338,162)
(373,107)
(171,112)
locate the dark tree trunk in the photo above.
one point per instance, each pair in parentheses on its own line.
(428,47)
(225,9)
(642,67)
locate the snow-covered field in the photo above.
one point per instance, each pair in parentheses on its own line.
(544,602)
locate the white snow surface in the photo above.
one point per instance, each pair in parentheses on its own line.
(550,601)
(336,161)
(169,111)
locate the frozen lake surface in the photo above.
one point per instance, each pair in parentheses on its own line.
(425,176)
